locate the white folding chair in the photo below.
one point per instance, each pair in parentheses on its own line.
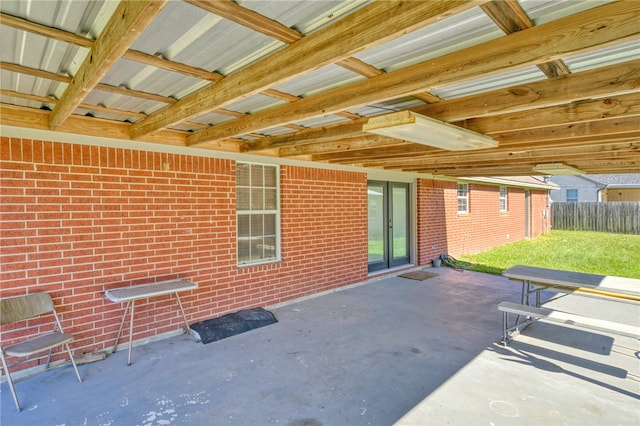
(20,308)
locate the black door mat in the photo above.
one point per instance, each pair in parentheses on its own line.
(231,324)
(418,275)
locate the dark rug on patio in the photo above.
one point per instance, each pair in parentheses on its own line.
(231,324)
(418,275)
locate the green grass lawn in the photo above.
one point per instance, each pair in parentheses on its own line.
(580,251)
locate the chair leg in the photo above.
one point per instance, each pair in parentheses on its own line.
(10,381)
(49,359)
(73,361)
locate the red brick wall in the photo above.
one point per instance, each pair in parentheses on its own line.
(77,220)
(443,230)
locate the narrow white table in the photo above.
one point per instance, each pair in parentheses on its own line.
(142,291)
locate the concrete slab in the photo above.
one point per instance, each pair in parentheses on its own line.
(417,352)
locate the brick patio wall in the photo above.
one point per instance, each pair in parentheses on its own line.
(77,220)
(443,230)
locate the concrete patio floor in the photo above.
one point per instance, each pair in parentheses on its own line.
(391,350)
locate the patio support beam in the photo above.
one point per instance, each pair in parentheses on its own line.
(603,82)
(577,33)
(544,155)
(372,25)
(511,18)
(588,166)
(394,155)
(21,69)
(616,128)
(126,24)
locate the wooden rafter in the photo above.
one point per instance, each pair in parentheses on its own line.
(325,46)
(262,24)
(602,82)
(120,90)
(588,119)
(125,25)
(510,17)
(552,39)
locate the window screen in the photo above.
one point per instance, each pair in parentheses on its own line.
(257,211)
(463,198)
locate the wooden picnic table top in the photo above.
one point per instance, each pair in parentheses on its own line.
(577,280)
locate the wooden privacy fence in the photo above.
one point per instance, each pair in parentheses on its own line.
(620,217)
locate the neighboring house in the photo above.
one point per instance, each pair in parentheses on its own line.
(604,187)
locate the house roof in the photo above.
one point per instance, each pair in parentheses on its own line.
(551,81)
(617,180)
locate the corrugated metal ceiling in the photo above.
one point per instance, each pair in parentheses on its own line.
(186,34)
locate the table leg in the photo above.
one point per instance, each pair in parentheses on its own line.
(124,317)
(184,317)
(133,304)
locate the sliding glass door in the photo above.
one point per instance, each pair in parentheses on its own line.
(389,231)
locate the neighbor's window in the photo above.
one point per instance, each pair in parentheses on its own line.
(463,198)
(572,195)
(503,198)
(257,213)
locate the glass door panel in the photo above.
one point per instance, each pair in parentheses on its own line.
(377,217)
(400,223)
(388,221)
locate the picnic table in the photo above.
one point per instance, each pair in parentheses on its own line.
(535,279)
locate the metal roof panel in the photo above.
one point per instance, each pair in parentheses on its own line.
(456,32)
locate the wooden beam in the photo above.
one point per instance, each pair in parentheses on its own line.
(314,135)
(606,81)
(126,24)
(43,30)
(373,142)
(611,126)
(412,152)
(31,118)
(52,100)
(588,166)
(65,36)
(21,69)
(508,15)
(13,115)
(120,90)
(28,96)
(511,18)
(589,111)
(249,18)
(610,81)
(576,112)
(582,134)
(613,22)
(369,26)
(165,64)
(548,154)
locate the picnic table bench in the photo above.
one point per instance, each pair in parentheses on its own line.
(143,291)
(535,279)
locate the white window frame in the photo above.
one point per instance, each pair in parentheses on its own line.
(504,205)
(573,190)
(262,259)
(463,196)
